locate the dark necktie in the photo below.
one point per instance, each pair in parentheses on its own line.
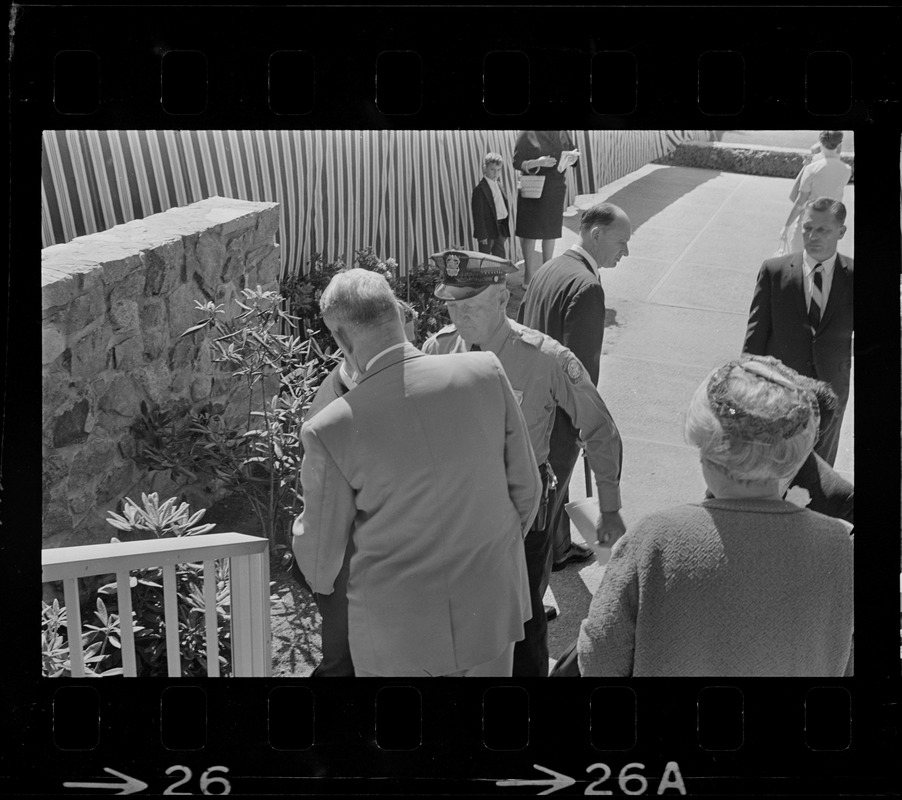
(817,300)
(474,348)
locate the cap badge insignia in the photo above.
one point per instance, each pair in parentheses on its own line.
(452,265)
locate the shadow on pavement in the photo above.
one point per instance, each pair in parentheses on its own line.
(652,193)
(573,598)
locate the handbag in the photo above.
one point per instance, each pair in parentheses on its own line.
(786,240)
(531,186)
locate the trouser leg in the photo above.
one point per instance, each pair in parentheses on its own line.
(333,609)
(498,246)
(531,653)
(487,247)
(828,444)
(563,456)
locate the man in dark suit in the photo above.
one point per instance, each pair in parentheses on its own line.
(565,300)
(491,211)
(801,311)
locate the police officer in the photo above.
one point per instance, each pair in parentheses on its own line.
(545,375)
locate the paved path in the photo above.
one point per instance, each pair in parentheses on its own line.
(676,308)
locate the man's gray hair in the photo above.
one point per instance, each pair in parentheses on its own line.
(752,422)
(603,214)
(359,297)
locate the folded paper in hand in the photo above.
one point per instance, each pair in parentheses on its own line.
(567,158)
(584,514)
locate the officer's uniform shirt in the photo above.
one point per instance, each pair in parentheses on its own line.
(544,374)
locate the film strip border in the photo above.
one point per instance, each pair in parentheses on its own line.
(689,737)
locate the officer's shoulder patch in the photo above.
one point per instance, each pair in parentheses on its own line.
(573,368)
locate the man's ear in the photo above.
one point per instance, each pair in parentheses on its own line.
(842,231)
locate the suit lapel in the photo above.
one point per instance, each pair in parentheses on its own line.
(487,191)
(796,270)
(838,289)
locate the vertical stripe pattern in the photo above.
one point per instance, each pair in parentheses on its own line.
(406,194)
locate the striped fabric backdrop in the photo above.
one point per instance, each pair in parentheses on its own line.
(405,193)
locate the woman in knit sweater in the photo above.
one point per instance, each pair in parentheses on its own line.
(744,584)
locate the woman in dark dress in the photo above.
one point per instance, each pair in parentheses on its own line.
(538,153)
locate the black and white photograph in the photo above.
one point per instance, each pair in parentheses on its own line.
(666,317)
(347,374)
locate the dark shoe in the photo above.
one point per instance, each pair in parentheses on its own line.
(550,612)
(575,555)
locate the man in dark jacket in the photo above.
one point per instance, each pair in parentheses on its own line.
(565,300)
(801,311)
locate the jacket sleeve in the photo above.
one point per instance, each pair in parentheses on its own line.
(524,486)
(523,151)
(607,637)
(322,532)
(477,206)
(578,397)
(584,328)
(759,325)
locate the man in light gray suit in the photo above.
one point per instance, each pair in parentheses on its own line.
(426,467)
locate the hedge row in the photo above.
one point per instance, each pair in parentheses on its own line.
(777,162)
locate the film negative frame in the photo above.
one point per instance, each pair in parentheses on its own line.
(799,736)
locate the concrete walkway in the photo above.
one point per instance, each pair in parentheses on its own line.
(676,308)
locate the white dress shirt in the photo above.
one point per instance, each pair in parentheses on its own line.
(808,265)
(348,378)
(500,208)
(351,379)
(381,353)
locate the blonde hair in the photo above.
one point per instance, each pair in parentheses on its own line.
(752,422)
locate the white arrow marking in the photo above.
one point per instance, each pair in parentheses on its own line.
(558,781)
(130,786)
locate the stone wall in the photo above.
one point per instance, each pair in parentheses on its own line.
(113,307)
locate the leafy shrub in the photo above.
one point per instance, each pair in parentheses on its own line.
(55,653)
(251,450)
(166,520)
(102,642)
(416,287)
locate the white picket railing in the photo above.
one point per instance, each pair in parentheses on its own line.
(251,634)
